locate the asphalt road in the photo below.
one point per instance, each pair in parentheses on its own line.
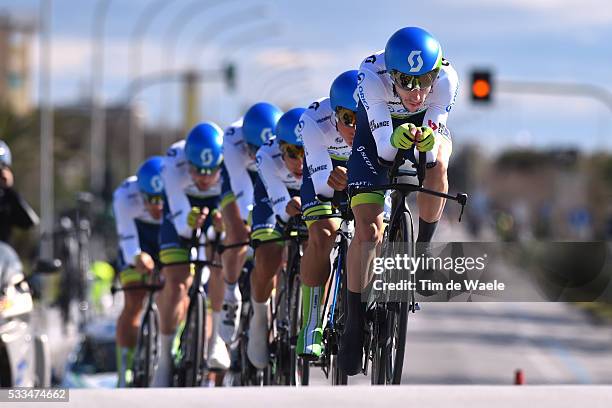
(485,343)
(414,396)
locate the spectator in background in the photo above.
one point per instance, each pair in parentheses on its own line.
(14,210)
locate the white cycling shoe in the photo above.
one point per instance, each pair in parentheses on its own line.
(230,312)
(218,356)
(257,347)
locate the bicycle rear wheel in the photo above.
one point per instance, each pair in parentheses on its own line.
(147,348)
(338,377)
(300,368)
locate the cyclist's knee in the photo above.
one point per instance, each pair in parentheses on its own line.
(176,278)
(269,256)
(368,223)
(133,302)
(437,177)
(321,236)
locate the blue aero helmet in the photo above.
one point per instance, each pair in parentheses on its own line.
(259,123)
(5,155)
(342,93)
(410,53)
(204,147)
(149,176)
(288,127)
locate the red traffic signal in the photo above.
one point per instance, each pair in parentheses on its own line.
(481,86)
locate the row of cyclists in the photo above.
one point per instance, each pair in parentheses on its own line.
(270,166)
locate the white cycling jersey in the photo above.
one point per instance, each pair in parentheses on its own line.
(381,102)
(179,187)
(322,143)
(276,178)
(238,163)
(128,206)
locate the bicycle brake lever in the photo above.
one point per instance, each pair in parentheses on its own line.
(461,199)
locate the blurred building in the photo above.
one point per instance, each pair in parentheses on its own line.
(15,59)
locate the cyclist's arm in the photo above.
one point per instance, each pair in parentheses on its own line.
(319,163)
(176,199)
(440,102)
(277,191)
(127,232)
(372,94)
(236,164)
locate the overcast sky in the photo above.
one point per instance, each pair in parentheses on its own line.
(288,52)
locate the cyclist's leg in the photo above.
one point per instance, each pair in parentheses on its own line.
(128,323)
(364,170)
(236,231)
(315,267)
(218,356)
(268,260)
(172,299)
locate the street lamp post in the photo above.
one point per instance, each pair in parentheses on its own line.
(136,139)
(98,112)
(46,132)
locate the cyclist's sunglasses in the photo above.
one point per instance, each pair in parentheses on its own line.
(410,82)
(203,171)
(155,199)
(291,151)
(346,116)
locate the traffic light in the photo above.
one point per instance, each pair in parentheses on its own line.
(481,86)
(230,76)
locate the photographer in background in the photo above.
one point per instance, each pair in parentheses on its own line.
(14,210)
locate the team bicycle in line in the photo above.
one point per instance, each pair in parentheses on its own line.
(247,182)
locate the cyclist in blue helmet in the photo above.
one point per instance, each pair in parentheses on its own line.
(259,124)
(137,204)
(280,164)
(405,95)
(191,174)
(327,130)
(241,141)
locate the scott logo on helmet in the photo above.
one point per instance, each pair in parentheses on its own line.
(266,134)
(419,61)
(157,184)
(206,157)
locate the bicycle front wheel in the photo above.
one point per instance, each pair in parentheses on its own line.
(191,350)
(147,348)
(402,239)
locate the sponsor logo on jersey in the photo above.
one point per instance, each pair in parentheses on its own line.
(415,66)
(314,105)
(313,170)
(360,77)
(443,130)
(374,126)
(339,139)
(324,119)
(362,97)
(366,159)
(277,201)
